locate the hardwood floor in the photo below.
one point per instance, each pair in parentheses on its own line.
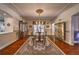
(11,49)
(67,49)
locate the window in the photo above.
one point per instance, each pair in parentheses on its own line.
(39,28)
(2,24)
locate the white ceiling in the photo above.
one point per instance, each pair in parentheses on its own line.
(50,9)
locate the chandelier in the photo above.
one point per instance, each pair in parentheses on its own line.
(39,12)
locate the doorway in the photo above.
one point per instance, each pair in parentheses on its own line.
(22,29)
(75,28)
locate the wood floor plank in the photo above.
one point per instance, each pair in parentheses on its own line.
(67,49)
(11,49)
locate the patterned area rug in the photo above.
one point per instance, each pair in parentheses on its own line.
(48,49)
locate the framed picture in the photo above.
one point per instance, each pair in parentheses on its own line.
(30,26)
(60,30)
(47,26)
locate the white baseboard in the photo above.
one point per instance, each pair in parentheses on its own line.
(69,43)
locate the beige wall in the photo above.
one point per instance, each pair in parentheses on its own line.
(14,24)
(66,16)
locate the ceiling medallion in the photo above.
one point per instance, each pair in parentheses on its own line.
(39,11)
